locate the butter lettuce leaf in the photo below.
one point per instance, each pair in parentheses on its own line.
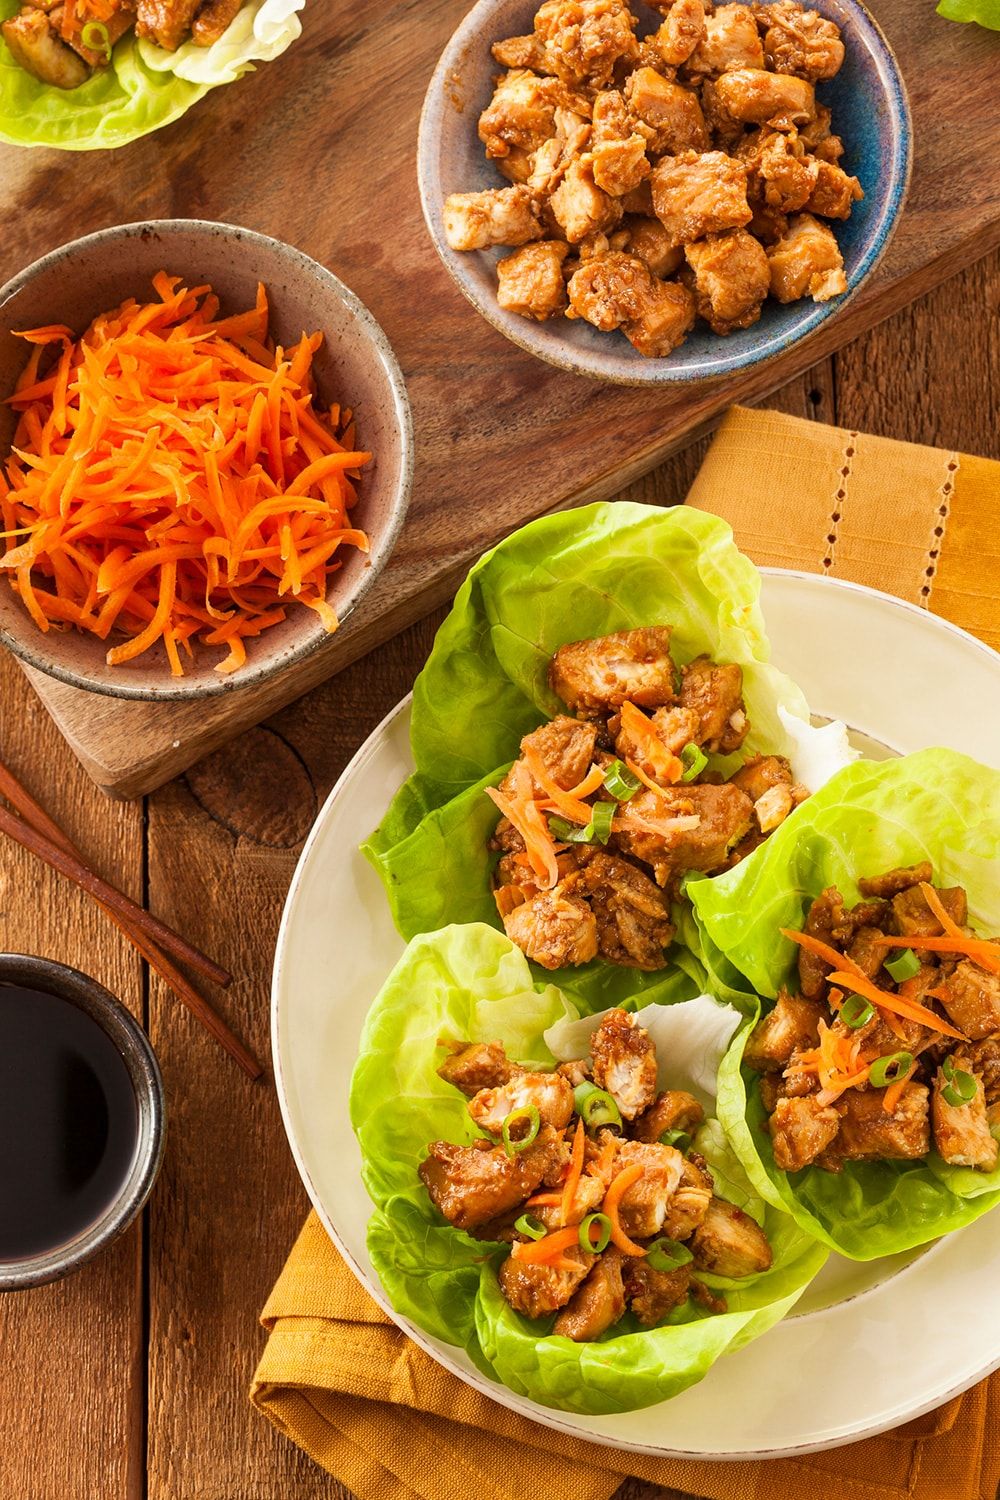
(984,12)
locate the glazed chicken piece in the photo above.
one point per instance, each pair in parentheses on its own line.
(724,815)
(731,41)
(673,1110)
(530,282)
(214,20)
(579,206)
(914,918)
(972,999)
(676,726)
(793,1025)
(521,112)
(761,774)
(519,52)
(665,321)
(894,881)
(984,1060)
(35,47)
(597,1304)
(671,114)
(695,195)
(619,152)
(553,929)
(565,748)
(643,1207)
(729,1243)
(819,923)
(537,1290)
(610,289)
(868,1132)
(583,40)
(757,97)
(478,1065)
(715,694)
(497,216)
(624,1063)
(595,677)
(166,22)
(550,1094)
(801,1130)
(632,915)
(806,261)
(469,1185)
(586,1199)
(653,1294)
(962,1132)
(800,41)
(690,1203)
(731,279)
(834,193)
(787,178)
(647,239)
(682,30)
(70,28)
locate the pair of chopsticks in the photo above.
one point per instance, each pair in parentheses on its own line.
(31,827)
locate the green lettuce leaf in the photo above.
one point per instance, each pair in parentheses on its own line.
(144,88)
(985,12)
(470,982)
(936,805)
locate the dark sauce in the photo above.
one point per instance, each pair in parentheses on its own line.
(68,1122)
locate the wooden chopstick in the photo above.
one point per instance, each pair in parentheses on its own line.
(37,833)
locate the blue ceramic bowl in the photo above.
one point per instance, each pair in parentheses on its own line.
(870,112)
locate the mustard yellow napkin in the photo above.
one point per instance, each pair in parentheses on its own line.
(337,1376)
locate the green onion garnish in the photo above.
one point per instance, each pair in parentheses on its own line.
(620,781)
(856,1012)
(527,1115)
(95,38)
(905,965)
(603,1233)
(961,1086)
(595,1107)
(891,1069)
(668,1255)
(532,1227)
(598,830)
(694,760)
(676,1138)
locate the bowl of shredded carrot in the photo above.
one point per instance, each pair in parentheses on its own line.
(205,459)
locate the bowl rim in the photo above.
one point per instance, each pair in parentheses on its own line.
(174,690)
(136,1050)
(658,372)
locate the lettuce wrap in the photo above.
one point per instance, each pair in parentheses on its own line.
(579,574)
(936,805)
(471,982)
(143,88)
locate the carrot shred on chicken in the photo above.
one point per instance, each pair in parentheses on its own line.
(548,1250)
(838,1063)
(894,1092)
(575,1172)
(819,949)
(524,813)
(908,1009)
(558,800)
(617,1189)
(663,763)
(172,478)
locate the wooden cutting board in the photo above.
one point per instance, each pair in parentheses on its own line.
(318,149)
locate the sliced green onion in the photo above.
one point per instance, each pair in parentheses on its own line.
(961,1087)
(621,782)
(856,1012)
(532,1227)
(603,1233)
(694,760)
(905,965)
(527,1115)
(595,1107)
(95,38)
(668,1255)
(888,1070)
(676,1138)
(598,830)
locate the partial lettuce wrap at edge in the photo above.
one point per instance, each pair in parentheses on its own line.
(471,982)
(936,805)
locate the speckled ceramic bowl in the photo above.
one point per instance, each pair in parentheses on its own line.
(870,111)
(355,366)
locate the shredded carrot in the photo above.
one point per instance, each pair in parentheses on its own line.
(619,1186)
(591,783)
(985,954)
(837,1061)
(172,478)
(647,781)
(561,801)
(909,1009)
(894,1092)
(602,1166)
(544,1200)
(546,1251)
(937,906)
(524,813)
(575,1172)
(663,763)
(819,949)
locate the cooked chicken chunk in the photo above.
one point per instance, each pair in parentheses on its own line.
(690,1203)
(664,323)
(793,1025)
(530,282)
(761,774)
(583,40)
(834,193)
(806,261)
(611,289)
(497,216)
(519,52)
(521,112)
(653,1294)
(550,1094)
(757,97)
(565,748)
(972,998)
(731,41)
(715,693)
(213,21)
(784,175)
(672,115)
(724,815)
(624,1062)
(586,1199)
(914,918)
(35,47)
(894,881)
(553,929)
(962,1132)
(647,239)
(478,1065)
(619,152)
(868,1131)
(800,41)
(681,31)
(470,1185)
(597,1304)
(801,1129)
(729,1243)
(593,677)
(167,22)
(731,279)
(579,206)
(695,195)
(673,1110)
(819,923)
(537,1290)
(633,916)
(984,1060)
(643,1207)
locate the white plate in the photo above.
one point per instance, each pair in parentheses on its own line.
(870,1345)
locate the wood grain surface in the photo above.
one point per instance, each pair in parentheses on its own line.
(129,1381)
(296,152)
